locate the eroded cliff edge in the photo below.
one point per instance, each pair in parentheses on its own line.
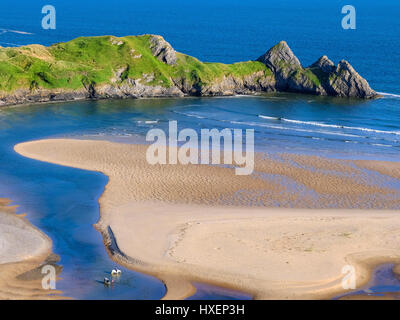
(147,66)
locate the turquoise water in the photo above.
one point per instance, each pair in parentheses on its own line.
(230,31)
(332,127)
(63,201)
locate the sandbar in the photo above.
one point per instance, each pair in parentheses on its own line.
(285,232)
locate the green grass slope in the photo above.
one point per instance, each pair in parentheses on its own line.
(95,60)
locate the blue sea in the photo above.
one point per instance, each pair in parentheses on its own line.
(63,201)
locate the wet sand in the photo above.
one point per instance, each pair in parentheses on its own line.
(23,249)
(205,224)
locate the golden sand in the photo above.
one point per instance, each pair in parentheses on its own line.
(204,223)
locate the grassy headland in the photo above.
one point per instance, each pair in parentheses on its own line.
(147,66)
(94,60)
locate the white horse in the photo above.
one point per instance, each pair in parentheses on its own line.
(116,272)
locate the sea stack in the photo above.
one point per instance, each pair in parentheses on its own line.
(283,63)
(344,81)
(321,78)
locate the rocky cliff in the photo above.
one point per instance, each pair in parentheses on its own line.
(148,66)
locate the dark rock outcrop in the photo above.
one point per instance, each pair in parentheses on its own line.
(324,64)
(135,89)
(131,88)
(344,81)
(279,56)
(305,81)
(281,60)
(25,96)
(162,50)
(230,85)
(321,78)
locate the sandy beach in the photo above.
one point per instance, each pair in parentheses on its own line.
(204,223)
(23,249)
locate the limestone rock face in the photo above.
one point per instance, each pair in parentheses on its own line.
(344,81)
(229,85)
(278,54)
(281,60)
(162,50)
(324,64)
(321,78)
(256,82)
(135,89)
(303,81)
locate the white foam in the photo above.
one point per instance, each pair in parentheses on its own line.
(325,125)
(257,124)
(147,121)
(12,44)
(381,145)
(392,95)
(15,31)
(267,117)
(190,115)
